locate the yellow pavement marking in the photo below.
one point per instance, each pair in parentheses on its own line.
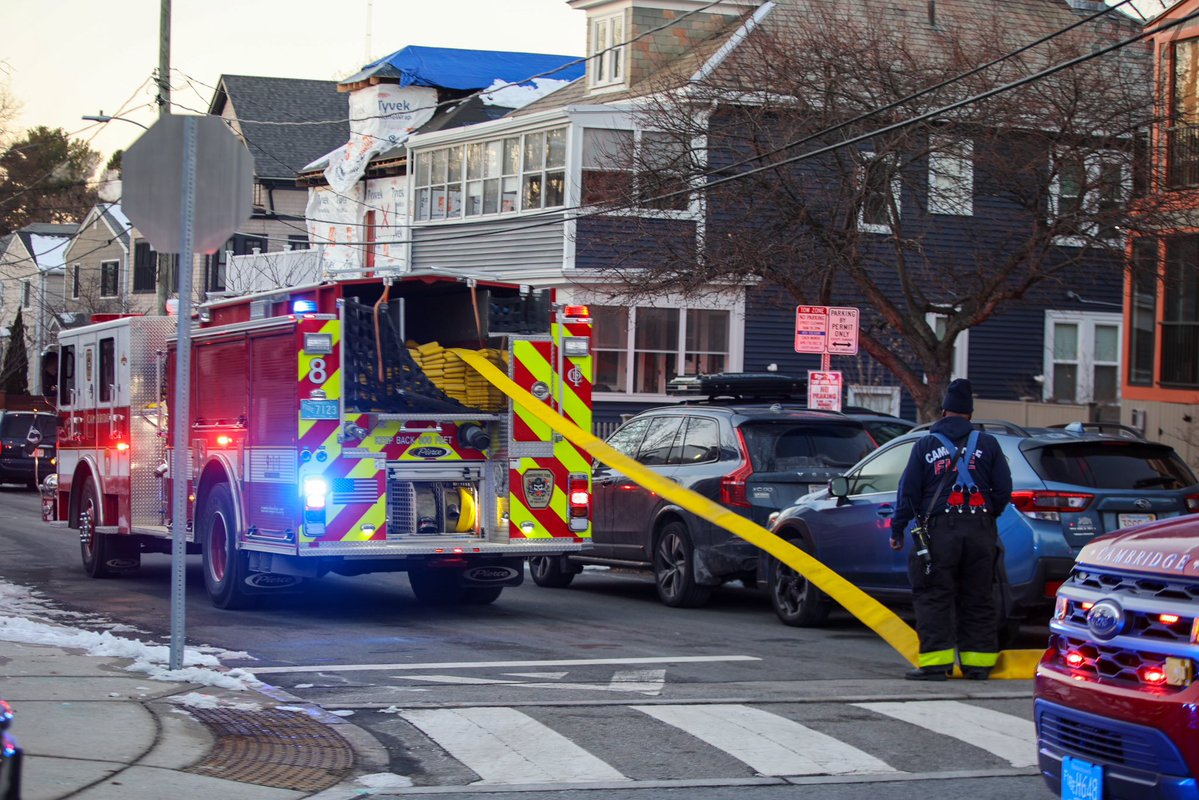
(876,616)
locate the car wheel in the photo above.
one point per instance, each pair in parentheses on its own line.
(795,600)
(437,587)
(225,566)
(674,571)
(549,571)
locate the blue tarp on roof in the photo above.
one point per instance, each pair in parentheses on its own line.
(450,68)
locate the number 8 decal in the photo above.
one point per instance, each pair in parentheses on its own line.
(316,371)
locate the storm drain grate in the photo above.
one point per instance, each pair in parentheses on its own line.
(283,749)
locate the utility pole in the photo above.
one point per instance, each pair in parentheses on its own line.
(166,262)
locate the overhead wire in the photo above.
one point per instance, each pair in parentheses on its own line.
(554,216)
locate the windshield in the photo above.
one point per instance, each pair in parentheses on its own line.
(15,425)
(1112,465)
(789,446)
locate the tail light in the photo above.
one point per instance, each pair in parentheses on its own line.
(1193,503)
(733,490)
(1048,505)
(578,494)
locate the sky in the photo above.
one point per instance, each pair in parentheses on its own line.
(63,59)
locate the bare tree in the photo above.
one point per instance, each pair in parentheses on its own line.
(827,179)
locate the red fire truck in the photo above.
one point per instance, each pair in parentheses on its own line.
(331,430)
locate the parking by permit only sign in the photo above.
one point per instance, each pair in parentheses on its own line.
(826,329)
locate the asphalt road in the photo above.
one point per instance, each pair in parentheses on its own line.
(596,686)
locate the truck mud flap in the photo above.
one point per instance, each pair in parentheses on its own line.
(502,572)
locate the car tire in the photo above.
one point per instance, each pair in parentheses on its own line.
(437,587)
(226,567)
(796,601)
(550,572)
(674,568)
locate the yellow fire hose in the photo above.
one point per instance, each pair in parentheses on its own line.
(1019,664)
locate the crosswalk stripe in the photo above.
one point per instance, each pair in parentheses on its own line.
(1004,735)
(502,745)
(770,744)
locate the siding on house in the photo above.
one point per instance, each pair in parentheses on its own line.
(608,242)
(519,248)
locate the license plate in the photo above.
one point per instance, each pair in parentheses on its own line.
(1081,780)
(1126,520)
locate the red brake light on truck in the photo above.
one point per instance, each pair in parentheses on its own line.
(1169,619)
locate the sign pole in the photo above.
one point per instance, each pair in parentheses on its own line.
(180,473)
(826,362)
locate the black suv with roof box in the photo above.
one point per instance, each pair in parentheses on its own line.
(740,448)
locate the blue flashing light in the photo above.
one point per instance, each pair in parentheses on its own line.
(303,306)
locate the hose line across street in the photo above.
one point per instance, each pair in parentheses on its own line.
(1015,664)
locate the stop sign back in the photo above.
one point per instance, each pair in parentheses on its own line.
(152,183)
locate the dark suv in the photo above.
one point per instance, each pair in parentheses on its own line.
(24,458)
(752,457)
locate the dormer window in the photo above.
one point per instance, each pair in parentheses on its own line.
(607,50)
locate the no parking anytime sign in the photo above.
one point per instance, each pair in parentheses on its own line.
(824,390)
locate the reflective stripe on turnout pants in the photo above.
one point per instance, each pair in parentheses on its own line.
(955,604)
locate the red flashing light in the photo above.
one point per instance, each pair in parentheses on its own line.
(577,311)
(122,446)
(1154,676)
(1087,606)
(458,550)
(1035,502)
(224,441)
(1169,619)
(578,494)
(1074,658)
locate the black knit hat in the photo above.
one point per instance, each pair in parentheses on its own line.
(959,397)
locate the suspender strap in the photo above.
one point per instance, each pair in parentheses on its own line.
(962,459)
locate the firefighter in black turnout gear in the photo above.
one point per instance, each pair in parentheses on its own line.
(957,482)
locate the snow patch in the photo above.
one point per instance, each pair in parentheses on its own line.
(518,95)
(384,780)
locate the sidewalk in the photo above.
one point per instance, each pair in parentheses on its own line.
(93,730)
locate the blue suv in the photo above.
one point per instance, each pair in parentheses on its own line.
(1071,484)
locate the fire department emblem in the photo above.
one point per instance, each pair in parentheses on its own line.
(539,487)
(575,376)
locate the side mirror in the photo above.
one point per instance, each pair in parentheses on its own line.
(839,487)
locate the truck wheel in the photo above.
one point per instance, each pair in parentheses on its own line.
(550,572)
(674,573)
(795,600)
(481,595)
(225,567)
(437,587)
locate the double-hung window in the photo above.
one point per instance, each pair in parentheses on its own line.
(878,201)
(1082,356)
(606,66)
(1180,314)
(640,349)
(145,268)
(1087,195)
(950,176)
(110,278)
(961,345)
